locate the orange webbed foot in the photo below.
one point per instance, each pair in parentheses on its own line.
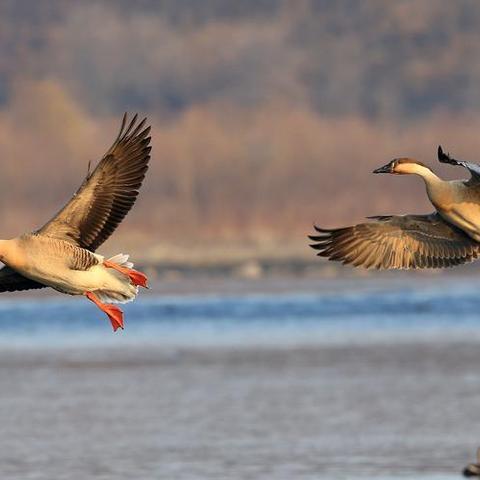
(136,277)
(114,313)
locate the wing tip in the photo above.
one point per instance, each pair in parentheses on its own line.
(127,125)
(445,157)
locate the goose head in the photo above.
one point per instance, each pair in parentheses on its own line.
(403,166)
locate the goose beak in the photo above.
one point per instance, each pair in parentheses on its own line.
(385,169)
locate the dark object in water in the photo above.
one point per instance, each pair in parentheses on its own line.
(473,469)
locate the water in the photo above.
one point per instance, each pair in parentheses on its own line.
(249,320)
(376,383)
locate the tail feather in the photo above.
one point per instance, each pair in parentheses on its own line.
(122,260)
(127,292)
(107,296)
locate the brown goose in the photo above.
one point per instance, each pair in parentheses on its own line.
(61,253)
(445,238)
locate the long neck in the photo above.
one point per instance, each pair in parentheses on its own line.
(437,189)
(428,176)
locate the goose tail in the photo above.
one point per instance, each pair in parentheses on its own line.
(127,280)
(121,259)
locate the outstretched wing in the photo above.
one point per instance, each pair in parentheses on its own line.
(108,193)
(397,242)
(473,168)
(10,281)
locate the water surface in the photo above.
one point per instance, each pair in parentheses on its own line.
(377,383)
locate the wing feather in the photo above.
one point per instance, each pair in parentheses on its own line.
(473,168)
(11,281)
(108,193)
(397,242)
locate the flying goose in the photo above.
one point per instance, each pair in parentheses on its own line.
(447,237)
(61,253)
(473,469)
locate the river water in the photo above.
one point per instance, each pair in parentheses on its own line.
(347,383)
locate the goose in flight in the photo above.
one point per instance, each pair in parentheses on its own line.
(61,254)
(447,237)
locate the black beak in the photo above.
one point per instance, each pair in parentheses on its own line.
(385,169)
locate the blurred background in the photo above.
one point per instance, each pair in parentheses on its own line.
(267,115)
(250,357)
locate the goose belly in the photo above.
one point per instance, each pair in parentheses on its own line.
(52,274)
(109,284)
(467,219)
